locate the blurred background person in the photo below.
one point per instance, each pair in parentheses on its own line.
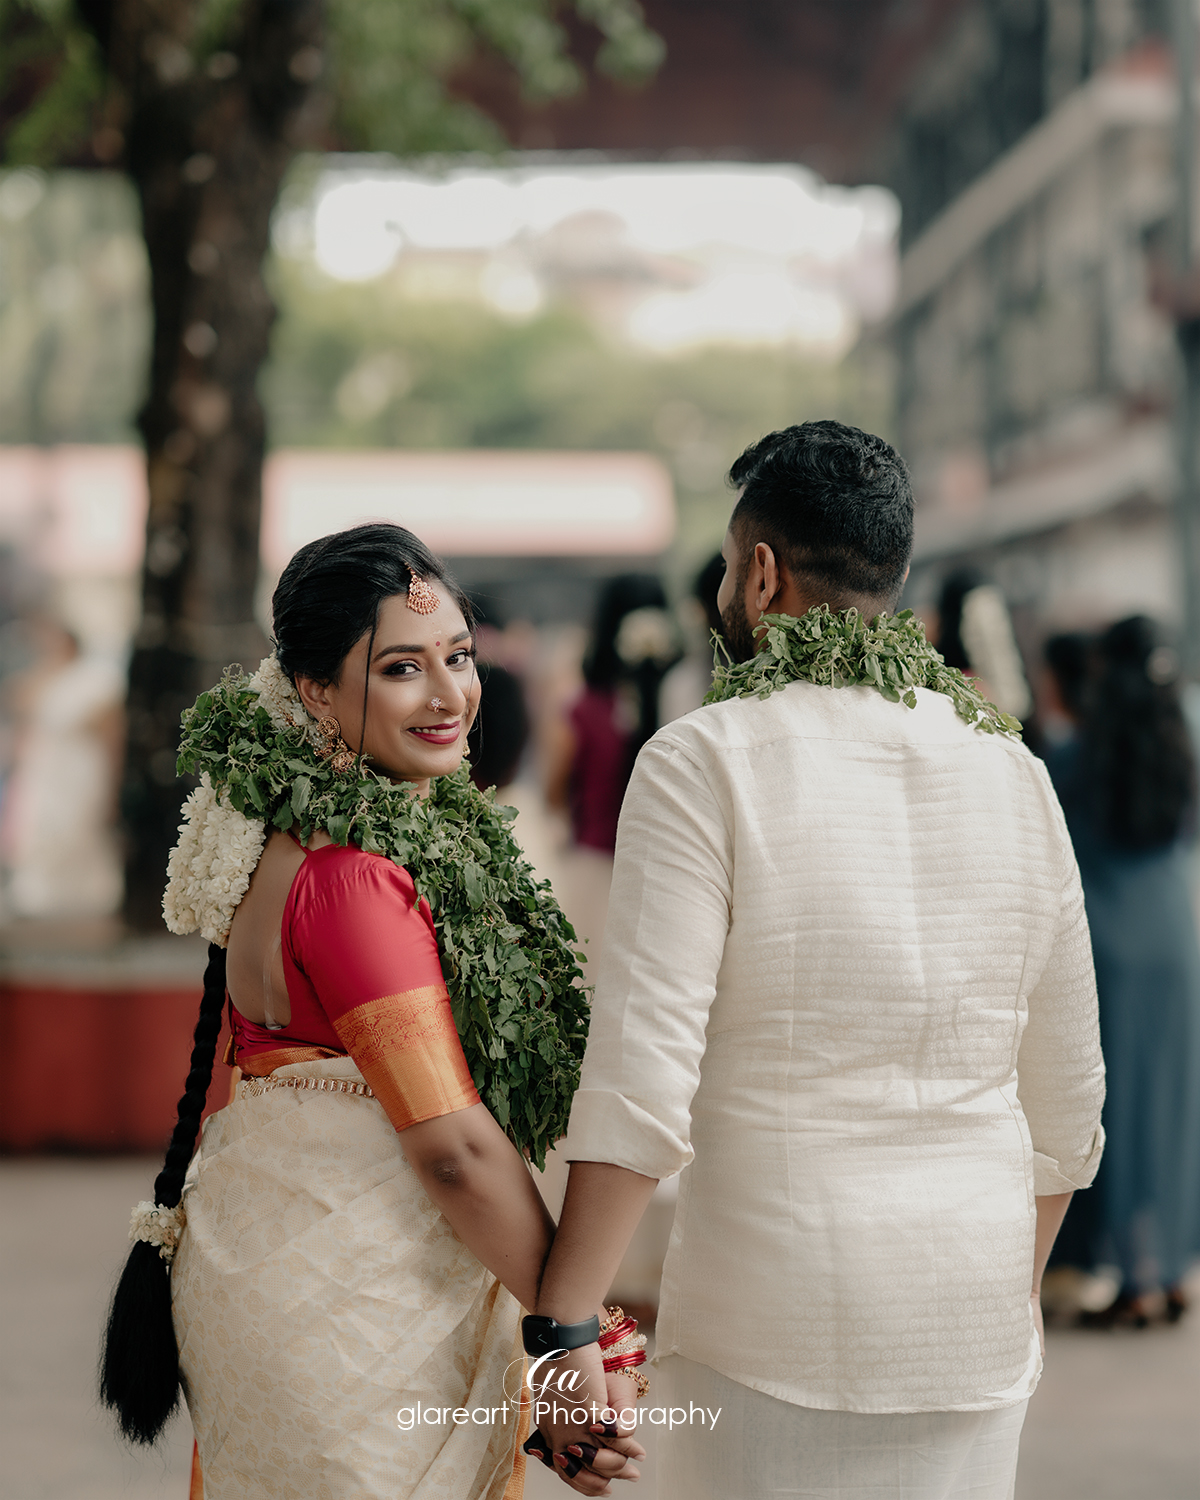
(60,802)
(1127,782)
(975,634)
(685,685)
(1062,695)
(591,748)
(500,734)
(633,644)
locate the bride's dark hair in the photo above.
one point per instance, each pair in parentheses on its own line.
(328,598)
(329,594)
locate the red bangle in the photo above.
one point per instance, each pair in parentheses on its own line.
(615,1335)
(625,1361)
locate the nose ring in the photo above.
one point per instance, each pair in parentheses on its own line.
(435,704)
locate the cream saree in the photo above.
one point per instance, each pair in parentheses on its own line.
(337,1340)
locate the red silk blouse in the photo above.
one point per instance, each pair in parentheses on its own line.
(364,980)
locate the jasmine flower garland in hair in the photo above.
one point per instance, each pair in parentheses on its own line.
(507,949)
(889,653)
(210,867)
(158,1226)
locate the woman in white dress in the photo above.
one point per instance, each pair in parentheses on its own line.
(357,1231)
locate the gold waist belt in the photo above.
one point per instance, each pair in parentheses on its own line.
(254,1086)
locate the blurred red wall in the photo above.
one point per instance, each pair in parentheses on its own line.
(96,1070)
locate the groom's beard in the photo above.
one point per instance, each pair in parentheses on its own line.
(739,637)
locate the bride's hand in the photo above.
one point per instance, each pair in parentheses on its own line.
(622,1399)
(592,1449)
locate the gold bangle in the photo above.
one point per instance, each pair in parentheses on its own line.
(630,1344)
(615,1315)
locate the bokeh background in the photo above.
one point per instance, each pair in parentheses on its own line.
(526,278)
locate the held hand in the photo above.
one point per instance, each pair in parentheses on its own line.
(589,1441)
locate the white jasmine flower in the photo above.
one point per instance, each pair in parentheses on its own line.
(158,1226)
(277,694)
(210,867)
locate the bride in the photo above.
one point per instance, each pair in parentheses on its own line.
(342,1314)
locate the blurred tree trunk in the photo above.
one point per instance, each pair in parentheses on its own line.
(207,153)
(206,136)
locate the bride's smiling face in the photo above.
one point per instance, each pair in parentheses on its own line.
(423,695)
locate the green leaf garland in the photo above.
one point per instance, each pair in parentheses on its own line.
(508,952)
(843,649)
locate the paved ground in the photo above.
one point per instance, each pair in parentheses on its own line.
(1117,1416)
(63,1228)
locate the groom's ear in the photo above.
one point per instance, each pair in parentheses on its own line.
(766,576)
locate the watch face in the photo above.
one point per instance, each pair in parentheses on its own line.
(538,1335)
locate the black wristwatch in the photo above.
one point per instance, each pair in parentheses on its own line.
(545,1336)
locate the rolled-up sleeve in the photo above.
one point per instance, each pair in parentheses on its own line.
(1060,1068)
(668,917)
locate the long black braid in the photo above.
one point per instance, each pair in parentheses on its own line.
(139,1363)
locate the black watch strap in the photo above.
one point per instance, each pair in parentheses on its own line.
(545,1336)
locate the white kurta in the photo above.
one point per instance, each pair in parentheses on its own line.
(847,977)
(763,1449)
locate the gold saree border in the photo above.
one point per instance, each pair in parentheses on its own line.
(196,1484)
(261,1064)
(407,1048)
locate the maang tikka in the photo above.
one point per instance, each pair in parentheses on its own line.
(334,749)
(421,598)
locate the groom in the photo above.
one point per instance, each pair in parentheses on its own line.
(842,932)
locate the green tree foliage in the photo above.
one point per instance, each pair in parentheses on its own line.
(387,78)
(51,80)
(365,365)
(74,313)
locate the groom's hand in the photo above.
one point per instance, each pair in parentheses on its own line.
(589,1437)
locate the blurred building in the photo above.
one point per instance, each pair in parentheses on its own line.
(1035,372)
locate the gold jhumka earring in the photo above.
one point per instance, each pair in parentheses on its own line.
(335,749)
(421,598)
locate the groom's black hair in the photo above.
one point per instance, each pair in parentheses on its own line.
(835,505)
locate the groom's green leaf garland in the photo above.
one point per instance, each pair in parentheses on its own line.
(889,653)
(508,952)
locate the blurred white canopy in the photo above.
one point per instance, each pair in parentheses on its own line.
(475,504)
(78,511)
